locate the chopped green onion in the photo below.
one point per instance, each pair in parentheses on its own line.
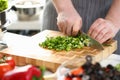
(66,43)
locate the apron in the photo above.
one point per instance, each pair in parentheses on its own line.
(89,10)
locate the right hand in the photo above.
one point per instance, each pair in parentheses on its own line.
(69,22)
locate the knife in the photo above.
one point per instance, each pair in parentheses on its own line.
(93,43)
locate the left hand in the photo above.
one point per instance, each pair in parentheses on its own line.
(102,30)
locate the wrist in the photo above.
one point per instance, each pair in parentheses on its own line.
(115,26)
(114,22)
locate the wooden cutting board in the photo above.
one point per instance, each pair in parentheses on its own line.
(26,50)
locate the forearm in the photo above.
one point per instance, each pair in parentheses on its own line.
(63,5)
(114,13)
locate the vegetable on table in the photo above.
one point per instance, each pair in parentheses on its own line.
(77,71)
(27,72)
(4,67)
(66,43)
(74,74)
(90,71)
(10,61)
(7,63)
(3,5)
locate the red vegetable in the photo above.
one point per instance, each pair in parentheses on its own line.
(4,67)
(10,61)
(23,73)
(6,64)
(74,73)
(77,71)
(67,78)
(77,78)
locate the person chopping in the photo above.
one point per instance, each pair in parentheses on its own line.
(99,18)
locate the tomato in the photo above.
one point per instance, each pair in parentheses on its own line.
(7,63)
(77,71)
(10,61)
(77,78)
(4,67)
(67,78)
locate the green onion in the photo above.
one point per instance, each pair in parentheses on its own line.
(66,43)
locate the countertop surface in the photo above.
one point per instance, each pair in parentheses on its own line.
(11,38)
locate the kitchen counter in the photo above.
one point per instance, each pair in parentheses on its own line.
(16,41)
(13,40)
(25,43)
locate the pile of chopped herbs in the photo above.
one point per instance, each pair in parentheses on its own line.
(3,5)
(66,43)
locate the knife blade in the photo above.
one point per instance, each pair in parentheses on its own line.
(93,43)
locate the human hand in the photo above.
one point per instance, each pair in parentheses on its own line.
(69,22)
(102,30)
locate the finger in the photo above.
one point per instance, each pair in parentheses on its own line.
(97,30)
(76,27)
(69,29)
(61,22)
(95,25)
(101,34)
(62,26)
(105,37)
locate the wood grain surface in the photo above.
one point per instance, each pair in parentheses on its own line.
(26,50)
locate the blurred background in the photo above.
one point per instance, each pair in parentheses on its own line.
(25,16)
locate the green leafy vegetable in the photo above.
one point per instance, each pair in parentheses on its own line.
(117,67)
(3,5)
(65,42)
